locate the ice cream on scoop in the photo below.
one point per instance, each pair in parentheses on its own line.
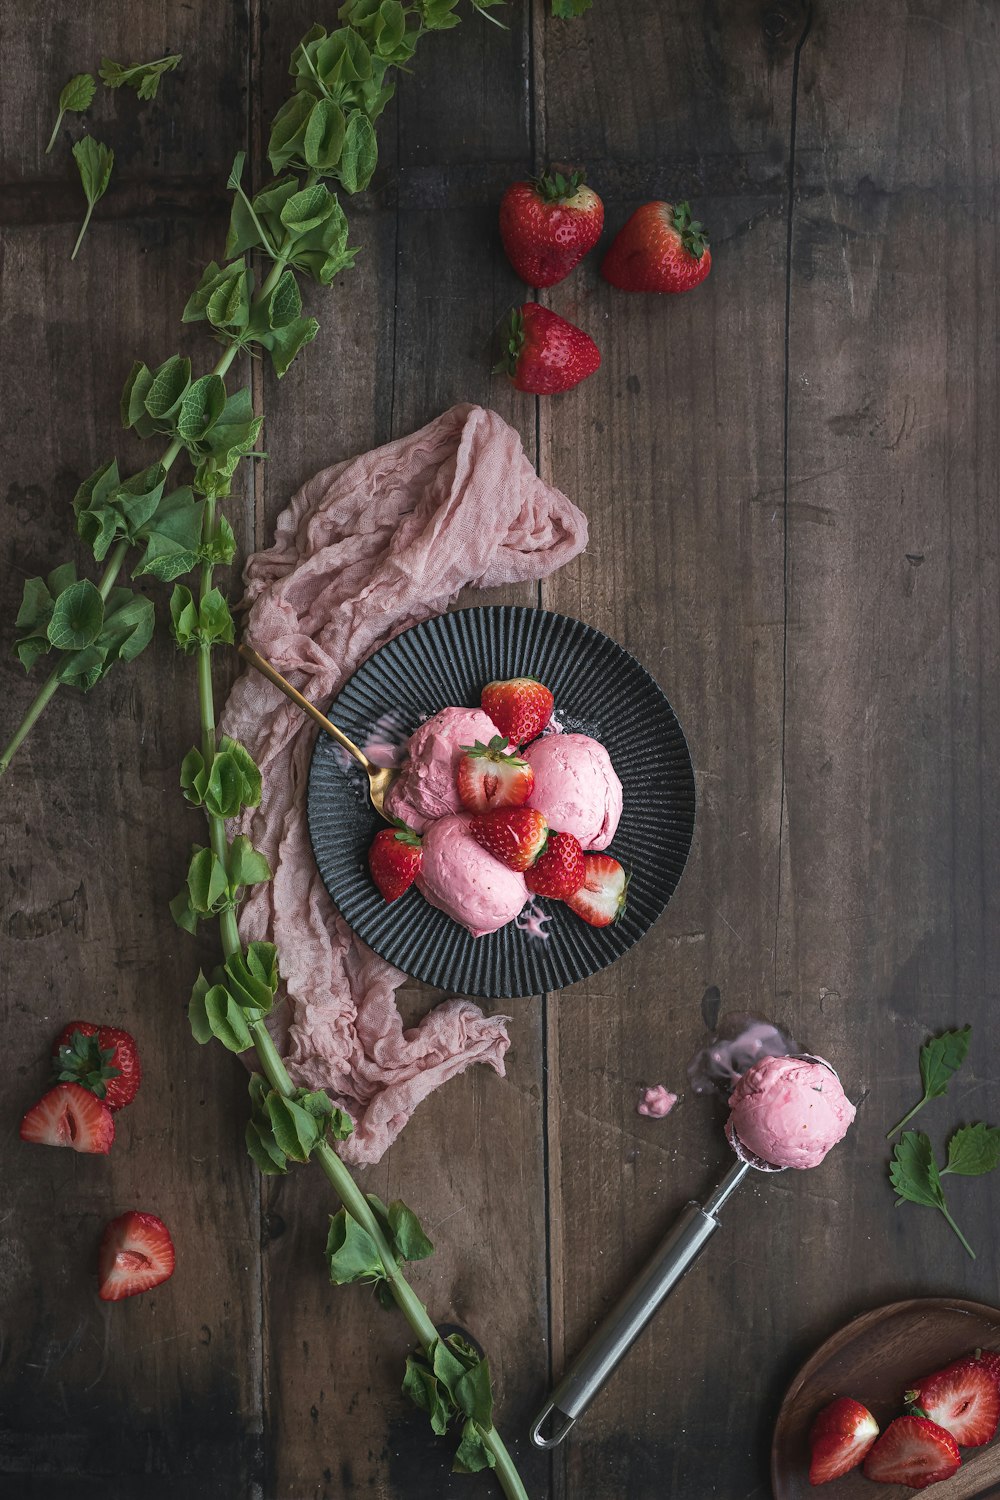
(576,787)
(789,1111)
(425,788)
(460,878)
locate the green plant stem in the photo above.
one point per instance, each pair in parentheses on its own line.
(55,132)
(906,1119)
(83,230)
(955,1227)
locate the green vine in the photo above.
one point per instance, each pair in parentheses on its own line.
(342,81)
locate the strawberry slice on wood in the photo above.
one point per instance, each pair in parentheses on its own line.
(913,1451)
(559,870)
(963,1398)
(601,898)
(990,1360)
(520,707)
(840,1437)
(513,835)
(491,776)
(136,1254)
(70,1115)
(394,860)
(103,1059)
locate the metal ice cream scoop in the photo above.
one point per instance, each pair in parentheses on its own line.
(618,1332)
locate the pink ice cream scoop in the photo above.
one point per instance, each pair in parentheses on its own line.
(459,877)
(576,787)
(789,1111)
(425,788)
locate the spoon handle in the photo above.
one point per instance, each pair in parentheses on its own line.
(283,685)
(614,1337)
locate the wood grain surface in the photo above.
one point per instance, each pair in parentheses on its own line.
(791,477)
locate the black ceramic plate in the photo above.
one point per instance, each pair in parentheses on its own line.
(599,690)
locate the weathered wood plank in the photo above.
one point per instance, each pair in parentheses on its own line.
(405,335)
(665,447)
(164,1389)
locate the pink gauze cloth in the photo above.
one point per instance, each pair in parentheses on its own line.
(365,549)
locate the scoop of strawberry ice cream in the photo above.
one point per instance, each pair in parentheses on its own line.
(790,1111)
(458,876)
(425,788)
(576,787)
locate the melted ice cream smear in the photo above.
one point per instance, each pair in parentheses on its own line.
(742,1040)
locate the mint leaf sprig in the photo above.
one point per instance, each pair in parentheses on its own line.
(76,97)
(972,1151)
(143,77)
(94,161)
(940,1059)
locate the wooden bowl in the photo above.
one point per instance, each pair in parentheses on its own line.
(873,1359)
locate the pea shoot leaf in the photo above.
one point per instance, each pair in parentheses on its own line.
(351,1253)
(143,77)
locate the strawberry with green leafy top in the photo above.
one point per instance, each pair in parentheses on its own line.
(600,900)
(544,353)
(548,224)
(70,1115)
(136,1254)
(559,870)
(104,1059)
(491,776)
(394,860)
(660,249)
(513,835)
(520,707)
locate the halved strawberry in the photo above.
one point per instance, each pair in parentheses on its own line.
(559,870)
(840,1437)
(136,1254)
(394,860)
(104,1059)
(520,707)
(601,898)
(963,1398)
(491,776)
(912,1451)
(69,1115)
(513,835)
(990,1360)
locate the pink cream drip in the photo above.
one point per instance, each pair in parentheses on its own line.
(656,1102)
(532,920)
(742,1041)
(388,742)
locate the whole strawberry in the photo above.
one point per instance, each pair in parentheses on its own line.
(660,249)
(544,354)
(104,1059)
(559,869)
(513,835)
(490,776)
(548,224)
(520,707)
(394,860)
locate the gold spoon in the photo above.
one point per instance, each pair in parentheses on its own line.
(380,778)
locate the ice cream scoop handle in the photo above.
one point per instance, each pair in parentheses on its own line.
(619,1330)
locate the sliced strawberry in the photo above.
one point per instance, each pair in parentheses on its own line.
(70,1115)
(490,776)
(394,860)
(912,1451)
(963,1398)
(990,1360)
(136,1254)
(513,835)
(104,1059)
(840,1437)
(559,870)
(520,707)
(601,898)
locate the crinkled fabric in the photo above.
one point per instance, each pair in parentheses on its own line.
(365,549)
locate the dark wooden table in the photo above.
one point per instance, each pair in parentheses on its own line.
(791,477)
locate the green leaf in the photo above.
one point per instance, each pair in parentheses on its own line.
(973,1151)
(77,617)
(351,1253)
(82,669)
(133,401)
(167,389)
(247,866)
(229,304)
(407,1236)
(194,777)
(76,96)
(566,10)
(420,1384)
(235,179)
(264,1151)
(474,1394)
(197,1016)
(288,131)
(226,1020)
(94,161)
(143,77)
(183,913)
(221,548)
(472,1454)
(360,153)
(323,138)
(173,537)
(108,508)
(184,618)
(129,621)
(940,1058)
(913,1171)
(438,15)
(285,343)
(307,209)
(296,1131)
(202,406)
(206,882)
